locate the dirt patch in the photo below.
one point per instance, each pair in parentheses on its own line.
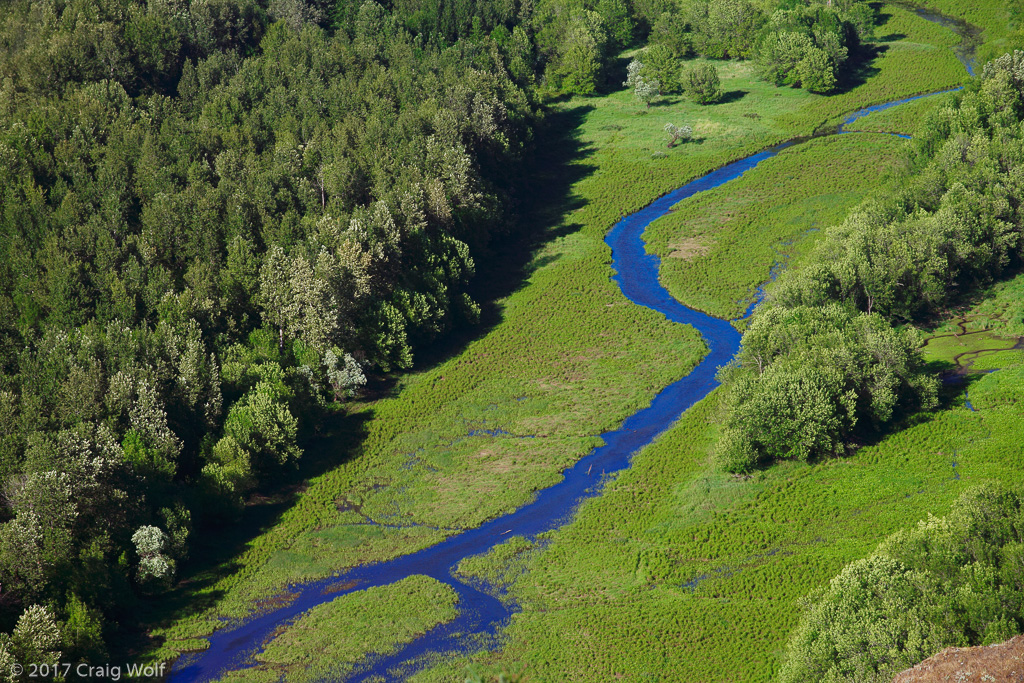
(687,249)
(1003,663)
(489,462)
(339,587)
(275,602)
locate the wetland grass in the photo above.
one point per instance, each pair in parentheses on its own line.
(717,248)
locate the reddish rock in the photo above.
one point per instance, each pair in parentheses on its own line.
(1002,663)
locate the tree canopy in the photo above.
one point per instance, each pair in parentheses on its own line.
(215,219)
(951,581)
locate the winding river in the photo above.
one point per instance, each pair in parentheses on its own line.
(481,614)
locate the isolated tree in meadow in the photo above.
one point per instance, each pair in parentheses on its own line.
(646,91)
(677,133)
(807,47)
(703,84)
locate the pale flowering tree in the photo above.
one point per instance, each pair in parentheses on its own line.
(37,637)
(154,566)
(644,89)
(677,133)
(344,374)
(35,640)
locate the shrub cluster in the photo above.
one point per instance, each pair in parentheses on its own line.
(954,226)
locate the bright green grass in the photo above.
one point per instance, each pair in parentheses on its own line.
(329,640)
(613,594)
(552,368)
(502,565)
(1002,309)
(991,16)
(718,247)
(902,119)
(1003,388)
(623,135)
(963,350)
(570,357)
(981,338)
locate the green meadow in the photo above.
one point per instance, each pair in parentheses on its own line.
(329,640)
(718,247)
(677,571)
(987,335)
(680,572)
(912,56)
(993,17)
(903,119)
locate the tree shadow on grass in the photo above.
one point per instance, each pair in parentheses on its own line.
(615,75)
(881,17)
(732,96)
(691,141)
(543,202)
(860,68)
(953,388)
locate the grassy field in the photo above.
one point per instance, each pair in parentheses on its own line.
(680,572)
(912,56)
(474,433)
(903,119)
(1000,309)
(986,335)
(327,641)
(991,16)
(718,247)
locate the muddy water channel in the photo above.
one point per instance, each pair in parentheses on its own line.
(482,611)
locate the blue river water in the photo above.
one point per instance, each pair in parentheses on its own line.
(481,611)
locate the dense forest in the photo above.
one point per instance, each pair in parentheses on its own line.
(218,217)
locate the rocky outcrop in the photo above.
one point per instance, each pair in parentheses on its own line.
(1002,663)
